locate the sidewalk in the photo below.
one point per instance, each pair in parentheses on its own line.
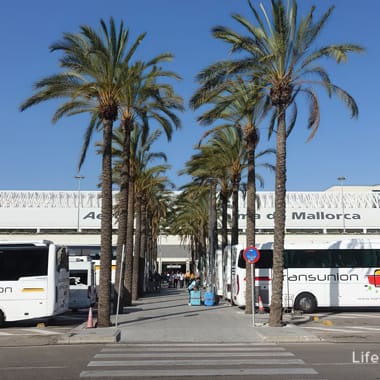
(166,317)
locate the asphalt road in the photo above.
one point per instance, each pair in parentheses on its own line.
(346,325)
(318,361)
(360,326)
(40,331)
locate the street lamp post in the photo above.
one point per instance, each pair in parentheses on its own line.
(341,180)
(79,178)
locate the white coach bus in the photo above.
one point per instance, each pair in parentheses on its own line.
(34,280)
(82,282)
(343,273)
(234,274)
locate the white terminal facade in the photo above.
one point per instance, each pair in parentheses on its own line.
(73,218)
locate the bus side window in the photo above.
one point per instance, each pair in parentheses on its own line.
(324,259)
(367,259)
(241,261)
(266,259)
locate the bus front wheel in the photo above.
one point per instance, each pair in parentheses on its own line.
(305,302)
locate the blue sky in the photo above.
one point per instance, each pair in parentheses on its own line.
(37,155)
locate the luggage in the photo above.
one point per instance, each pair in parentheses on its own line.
(195,297)
(209,299)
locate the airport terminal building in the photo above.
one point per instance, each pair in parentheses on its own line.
(73,218)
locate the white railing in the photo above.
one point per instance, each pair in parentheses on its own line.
(49,199)
(320,200)
(92,199)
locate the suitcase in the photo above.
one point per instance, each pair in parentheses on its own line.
(195,297)
(209,299)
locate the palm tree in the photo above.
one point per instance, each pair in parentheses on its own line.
(145,98)
(229,150)
(280,53)
(147,178)
(242,106)
(90,82)
(189,220)
(158,199)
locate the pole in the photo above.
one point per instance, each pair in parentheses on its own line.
(79,177)
(231,277)
(253,294)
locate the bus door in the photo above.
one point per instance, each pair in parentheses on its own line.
(287,296)
(263,277)
(263,285)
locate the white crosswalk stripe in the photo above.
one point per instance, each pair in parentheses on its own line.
(195,360)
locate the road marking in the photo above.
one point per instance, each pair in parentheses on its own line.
(171,362)
(200,349)
(161,373)
(195,360)
(346,316)
(193,354)
(366,328)
(40,331)
(179,345)
(333,329)
(18,368)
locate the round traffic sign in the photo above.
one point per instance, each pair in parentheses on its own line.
(251,255)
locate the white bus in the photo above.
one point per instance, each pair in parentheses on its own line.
(34,280)
(82,282)
(219,280)
(97,271)
(234,275)
(343,273)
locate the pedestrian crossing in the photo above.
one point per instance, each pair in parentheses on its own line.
(195,360)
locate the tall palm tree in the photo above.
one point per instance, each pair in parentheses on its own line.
(146,98)
(158,202)
(91,82)
(147,177)
(280,52)
(152,194)
(229,150)
(189,220)
(242,106)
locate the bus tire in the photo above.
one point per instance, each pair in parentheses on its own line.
(305,302)
(2,318)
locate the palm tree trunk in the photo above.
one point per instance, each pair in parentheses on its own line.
(122,226)
(143,247)
(213,233)
(104,304)
(129,239)
(235,211)
(275,317)
(251,141)
(136,257)
(224,201)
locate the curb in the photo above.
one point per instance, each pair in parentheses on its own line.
(83,335)
(287,334)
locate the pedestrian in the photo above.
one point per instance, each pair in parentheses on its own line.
(181,280)
(187,278)
(194,286)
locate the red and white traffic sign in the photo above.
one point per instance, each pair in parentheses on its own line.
(251,255)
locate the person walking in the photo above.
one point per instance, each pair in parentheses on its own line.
(194,286)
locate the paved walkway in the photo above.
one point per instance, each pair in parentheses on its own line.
(167,317)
